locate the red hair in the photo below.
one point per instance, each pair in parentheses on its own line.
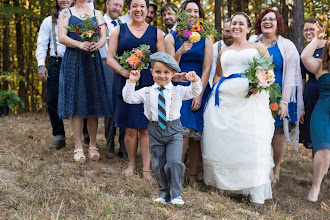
(279,20)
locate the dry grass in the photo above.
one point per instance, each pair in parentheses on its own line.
(36,183)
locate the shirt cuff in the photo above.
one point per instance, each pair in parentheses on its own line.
(41,63)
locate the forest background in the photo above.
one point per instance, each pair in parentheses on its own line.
(20,21)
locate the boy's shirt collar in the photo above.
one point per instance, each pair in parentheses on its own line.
(167,86)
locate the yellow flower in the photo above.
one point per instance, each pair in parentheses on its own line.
(195,37)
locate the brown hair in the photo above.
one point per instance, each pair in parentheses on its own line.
(168,6)
(313,21)
(56,11)
(326,57)
(129,2)
(279,20)
(248,21)
(183,6)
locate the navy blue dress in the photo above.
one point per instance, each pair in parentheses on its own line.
(320,120)
(131,115)
(83,86)
(311,95)
(278,70)
(192,60)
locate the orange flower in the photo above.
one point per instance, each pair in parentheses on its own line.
(273,106)
(133,61)
(195,28)
(138,53)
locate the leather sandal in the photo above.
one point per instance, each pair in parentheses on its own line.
(94,153)
(79,156)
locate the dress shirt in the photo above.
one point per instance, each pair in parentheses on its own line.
(171,30)
(125,18)
(182,93)
(108,20)
(44,37)
(214,62)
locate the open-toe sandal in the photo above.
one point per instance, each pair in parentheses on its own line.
(94,153)
(147,177)
(79,156)
(129,172)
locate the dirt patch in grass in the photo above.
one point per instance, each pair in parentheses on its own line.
(36,183)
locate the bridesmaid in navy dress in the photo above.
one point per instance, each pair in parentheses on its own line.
(311,91)
(124,38)
(84,90)
(198,57)
(320,121)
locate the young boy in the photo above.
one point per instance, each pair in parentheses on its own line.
(162,104)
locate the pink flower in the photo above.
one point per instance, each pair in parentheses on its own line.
(186,33)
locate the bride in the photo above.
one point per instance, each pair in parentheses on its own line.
(238,131)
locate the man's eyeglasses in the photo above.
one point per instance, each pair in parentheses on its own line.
(309,30)
(271,20)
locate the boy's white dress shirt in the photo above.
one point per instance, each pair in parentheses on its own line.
(182,93)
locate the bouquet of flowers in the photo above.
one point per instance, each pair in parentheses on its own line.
(87,30)
(137,59)
(193,29)
(261,76)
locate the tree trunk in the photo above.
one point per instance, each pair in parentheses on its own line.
(5,47)
(229,7)
(296,33)
(23,93)
(284,10)
(237,6)
(218,16)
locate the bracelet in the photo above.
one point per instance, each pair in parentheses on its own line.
(284,102)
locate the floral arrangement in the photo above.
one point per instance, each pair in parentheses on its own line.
(137,59)
(87,30)
(193,29)
(261,76)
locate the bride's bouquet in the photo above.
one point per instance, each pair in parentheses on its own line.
(193,29)
(261,76)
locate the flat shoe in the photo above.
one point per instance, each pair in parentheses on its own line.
(94,153)
(79,156)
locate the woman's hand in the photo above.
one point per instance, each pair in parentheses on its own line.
(320,31)
(85,46)
(196,103)
(186,46)
(125,73)
(179,77)
(254,91)
(283,112)
(134,76)
(302,119)
(94,46)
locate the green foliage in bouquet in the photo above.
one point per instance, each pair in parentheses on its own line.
(137,59)
(88,29)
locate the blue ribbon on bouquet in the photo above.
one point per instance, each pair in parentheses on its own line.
(232,76)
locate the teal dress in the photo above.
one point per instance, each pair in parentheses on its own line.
(320,121)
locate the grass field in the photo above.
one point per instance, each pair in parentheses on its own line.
(36,183)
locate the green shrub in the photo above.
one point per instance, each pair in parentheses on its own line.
(11,99)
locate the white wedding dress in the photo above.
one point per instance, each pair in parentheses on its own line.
(237,134)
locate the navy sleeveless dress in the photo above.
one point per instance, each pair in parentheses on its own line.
(320,120)
(192,60)
(131,115)
(83,86)
(311,95)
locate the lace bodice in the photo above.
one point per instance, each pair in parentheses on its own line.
(233,61)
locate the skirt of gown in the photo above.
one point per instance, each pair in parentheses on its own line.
(236,143)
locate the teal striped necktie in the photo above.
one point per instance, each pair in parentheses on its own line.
(161,108)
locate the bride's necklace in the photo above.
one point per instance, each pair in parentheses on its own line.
(138,29)
(271,44)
